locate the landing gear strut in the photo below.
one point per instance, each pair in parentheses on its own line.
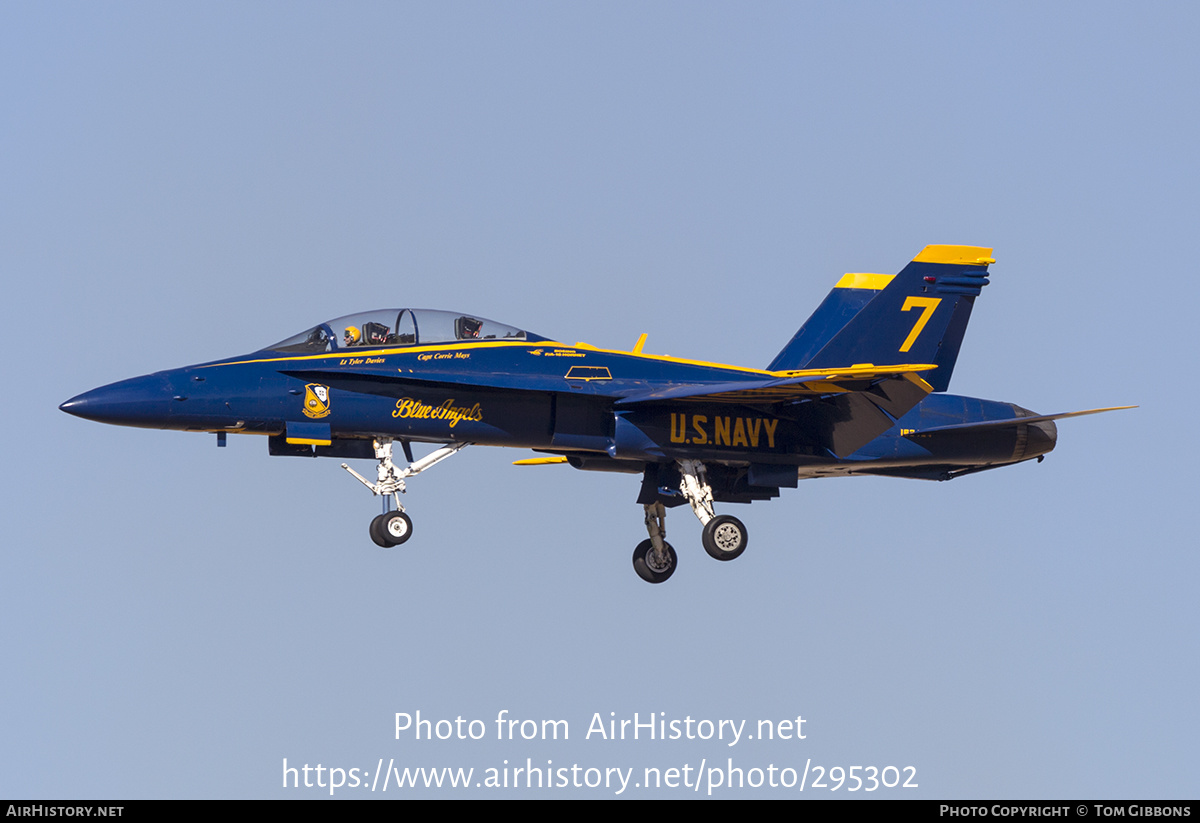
(393,527)
(654,560)
(724,537)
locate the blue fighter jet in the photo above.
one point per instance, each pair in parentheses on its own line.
(859,389)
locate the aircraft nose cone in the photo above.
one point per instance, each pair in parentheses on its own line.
(74,406)
(140,401)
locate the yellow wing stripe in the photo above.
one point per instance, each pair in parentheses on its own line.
(773,394)
(859,370)
(539,461)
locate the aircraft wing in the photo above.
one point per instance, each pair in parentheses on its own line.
(783,387)
(792,386)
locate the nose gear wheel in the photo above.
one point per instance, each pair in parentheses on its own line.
(391,529)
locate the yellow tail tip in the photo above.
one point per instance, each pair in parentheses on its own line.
(957,255)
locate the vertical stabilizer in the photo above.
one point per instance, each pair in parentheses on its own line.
(918,316)
(849,296)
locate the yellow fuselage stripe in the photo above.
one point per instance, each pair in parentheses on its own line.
(365,352)
(857,370)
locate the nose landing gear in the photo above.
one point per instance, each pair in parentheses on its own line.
(394,527)
(654,560)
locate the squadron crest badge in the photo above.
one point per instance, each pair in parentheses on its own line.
(316,400)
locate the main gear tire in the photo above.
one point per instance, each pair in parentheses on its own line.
(724,537)
(647,566)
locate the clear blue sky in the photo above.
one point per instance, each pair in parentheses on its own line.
(183,182)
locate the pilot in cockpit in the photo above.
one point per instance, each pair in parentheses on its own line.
(351,337)
(374,334)
(467,328)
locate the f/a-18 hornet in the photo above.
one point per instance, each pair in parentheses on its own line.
(859,389)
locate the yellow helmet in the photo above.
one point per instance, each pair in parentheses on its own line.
(353,335)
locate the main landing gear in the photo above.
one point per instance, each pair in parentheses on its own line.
(394,527)
(654,559)
(724,537)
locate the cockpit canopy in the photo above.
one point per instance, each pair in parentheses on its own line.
(398,327)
